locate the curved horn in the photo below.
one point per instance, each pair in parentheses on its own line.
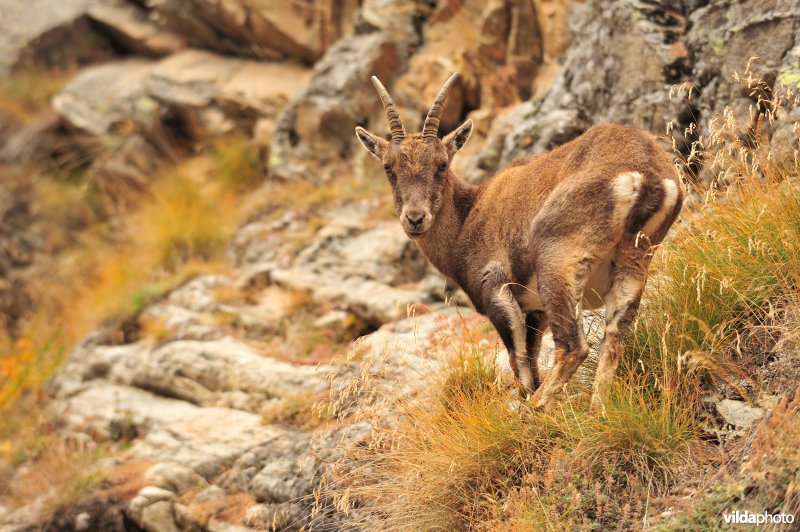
(431,127)
(395,125)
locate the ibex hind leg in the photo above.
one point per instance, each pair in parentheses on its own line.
(622,302)
(561,290)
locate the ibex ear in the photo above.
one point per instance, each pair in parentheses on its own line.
(373,143)
(456,139)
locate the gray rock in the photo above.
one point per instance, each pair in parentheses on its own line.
(269,29)
(102,97)
(282,516)
(739,413)
(282,480)
(152,509)
(128,26)
(210,493)
(47,33)
(173,477)
(601,81)
(316,129)
(368,272)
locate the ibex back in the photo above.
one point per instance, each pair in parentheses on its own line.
(545,237)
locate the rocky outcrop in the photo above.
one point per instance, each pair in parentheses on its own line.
(601,81)
(497,47)
(195,384)
(315,130)
(373,273)
(35,34)
(192,410)
(128,27)
(270,29)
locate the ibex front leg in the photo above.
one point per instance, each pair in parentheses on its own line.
(504,312)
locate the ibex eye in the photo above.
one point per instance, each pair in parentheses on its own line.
(442,168)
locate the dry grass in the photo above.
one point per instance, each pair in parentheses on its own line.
(465,452)
(55,471)
(767,482)
(110,274)
(235,163)
(301,410)
(24,94)
(734,256)
(230,509)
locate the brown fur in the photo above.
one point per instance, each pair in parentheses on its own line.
(565,219)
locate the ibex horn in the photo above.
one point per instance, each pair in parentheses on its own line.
(431,127)
(395,125)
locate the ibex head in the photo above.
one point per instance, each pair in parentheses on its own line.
(417,164)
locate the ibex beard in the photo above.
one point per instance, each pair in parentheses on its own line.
(546,237)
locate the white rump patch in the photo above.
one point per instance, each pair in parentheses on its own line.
(625,190)
(670,197)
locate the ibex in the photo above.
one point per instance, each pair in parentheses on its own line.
(545,237)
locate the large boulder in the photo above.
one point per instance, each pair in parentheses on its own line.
(48,33)
(214,92)
(264,29)
(316,129)
(128,27)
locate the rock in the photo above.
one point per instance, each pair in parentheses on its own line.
(739,413)
(128,27)
(601,81)
(215,525)
(101,98)
(266,29)
(316,129)
(366,272)
(152,509)
(199,86)
(279,516)
(223,372)
(208,85)
(174,477)
(42,34)
(401,20)
(210,493)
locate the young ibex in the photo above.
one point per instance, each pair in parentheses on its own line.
(548,235)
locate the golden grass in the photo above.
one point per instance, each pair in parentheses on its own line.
(235,162)
(300,410)
(734,256)
(24,94)
(305,198)
(112,273)
(465,452)
(59,471)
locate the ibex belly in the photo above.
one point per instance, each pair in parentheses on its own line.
(597,286)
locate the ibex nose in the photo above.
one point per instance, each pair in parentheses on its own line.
(415,218)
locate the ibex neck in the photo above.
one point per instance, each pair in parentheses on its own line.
(440,245)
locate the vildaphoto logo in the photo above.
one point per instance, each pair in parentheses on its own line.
(747,518)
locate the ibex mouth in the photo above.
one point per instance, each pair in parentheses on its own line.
(415,235)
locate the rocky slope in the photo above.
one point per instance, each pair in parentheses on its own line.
(154,81)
